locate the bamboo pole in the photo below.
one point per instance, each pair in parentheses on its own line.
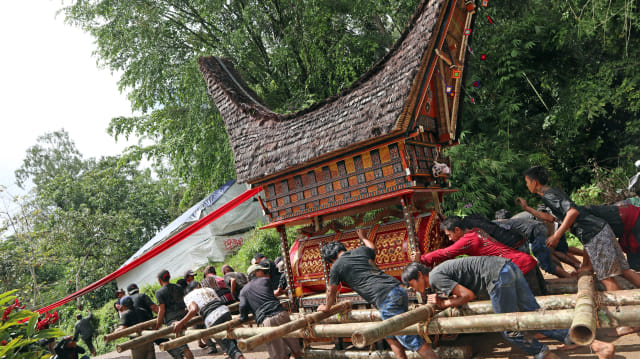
(549,302)
(273,333)
(129,330)
(149,337)
(569,285)
(609,317)
(376,331)
(204,333)
(583,326)
(443,352)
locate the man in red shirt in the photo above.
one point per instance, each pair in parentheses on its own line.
(476,242)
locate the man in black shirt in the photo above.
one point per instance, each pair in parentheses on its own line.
(358,270)
(142,302)
(171,308)
(274,274)
(257,297)
(84,330)
(129,317)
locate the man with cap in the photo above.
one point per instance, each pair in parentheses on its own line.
(189,276)
(171,308)
(142,302)
(257,297)
(116,305)
(84,330)
(274,274)
(358,270)
(130,316)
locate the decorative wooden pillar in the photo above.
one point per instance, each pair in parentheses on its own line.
(410,224)
(284,244)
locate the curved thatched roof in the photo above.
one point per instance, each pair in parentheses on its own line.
(376,105)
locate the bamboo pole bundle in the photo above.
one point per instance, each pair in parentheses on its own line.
(279,331)
(583,326)
(609,317)
(199,334)
(151,336)
(443,352)
(549,302)
(378,330)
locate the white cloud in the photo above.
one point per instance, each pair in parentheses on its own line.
(49,80)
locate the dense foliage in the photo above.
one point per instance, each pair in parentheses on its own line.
(559,87)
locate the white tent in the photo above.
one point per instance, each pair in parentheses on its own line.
(211,243)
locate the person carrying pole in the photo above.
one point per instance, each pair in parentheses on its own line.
(212,308)
(603,252)
(358,270)
(461,280)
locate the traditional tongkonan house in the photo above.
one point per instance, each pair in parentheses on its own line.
(377,145)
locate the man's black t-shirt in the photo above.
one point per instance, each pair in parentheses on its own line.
(143,303)
(171,295)
(586,225)
(130,317)
(357,268)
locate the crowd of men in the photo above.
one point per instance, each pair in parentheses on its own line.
(497,262)
(176,303)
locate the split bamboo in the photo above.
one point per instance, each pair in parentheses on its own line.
(204,333)
(608,317)
(149,337)
(583,326)
(378,330)
(550,302)
(273,333)
(443,352)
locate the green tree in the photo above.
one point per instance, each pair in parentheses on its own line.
(93,216)
(292,53)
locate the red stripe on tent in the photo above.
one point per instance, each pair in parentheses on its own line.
(158,249)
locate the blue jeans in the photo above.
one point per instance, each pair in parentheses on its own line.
(397,302)
(542,252)
(512,294)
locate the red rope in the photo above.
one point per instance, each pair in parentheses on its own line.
(158,249)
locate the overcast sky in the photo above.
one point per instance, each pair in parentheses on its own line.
(49,81)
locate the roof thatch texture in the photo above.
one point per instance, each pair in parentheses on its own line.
(376,105)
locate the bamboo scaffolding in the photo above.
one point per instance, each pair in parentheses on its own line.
(378,330)
(147,337)
(583,326)
(609,317)
(279,331)
(550,302)
(443,352)
(204,333)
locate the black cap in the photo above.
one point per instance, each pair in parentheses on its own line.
(258,256)
(132,288)
(127,302)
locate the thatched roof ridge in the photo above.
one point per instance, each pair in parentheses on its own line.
(374,106)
